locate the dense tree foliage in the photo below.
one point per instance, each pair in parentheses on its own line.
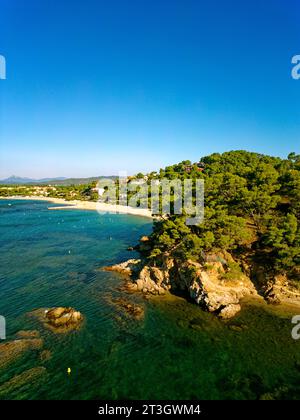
(252,205)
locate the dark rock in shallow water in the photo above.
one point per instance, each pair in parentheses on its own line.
(237,327)
(28,334)
(196,324)
(13,350)
(131,309)
(30,376)
(45,355)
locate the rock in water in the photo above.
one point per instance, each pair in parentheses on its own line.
(126,268)
(34,375)
(60,319)
(28,334)
(13,350)
(63,317)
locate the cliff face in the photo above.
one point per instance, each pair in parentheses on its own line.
(213,285)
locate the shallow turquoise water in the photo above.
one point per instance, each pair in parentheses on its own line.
(52,258)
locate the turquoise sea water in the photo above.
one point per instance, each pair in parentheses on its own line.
(53,258)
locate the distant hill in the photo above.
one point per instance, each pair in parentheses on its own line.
(79,181)
(19,180)
(15,180)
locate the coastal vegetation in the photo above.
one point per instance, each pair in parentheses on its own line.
(59,265)
(248,243)
(252,207)
(67,192)
(250,232)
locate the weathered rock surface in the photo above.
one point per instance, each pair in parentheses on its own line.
(127,268)
(207,286)
(210,290)
(59,319)
(63,317)
(229,311)
(279,291)
(275,289)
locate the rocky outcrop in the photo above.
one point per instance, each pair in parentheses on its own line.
(205,282)
(128,267)
(279,291)
(229,311)
(59,320)
(212,290)
(144,245)
(66,318)
(275,288)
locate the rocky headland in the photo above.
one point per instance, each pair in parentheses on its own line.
(217,284)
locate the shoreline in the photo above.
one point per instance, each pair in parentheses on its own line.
(287,305)
(154,281)
(85,205)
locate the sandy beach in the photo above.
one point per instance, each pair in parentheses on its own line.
(85,205)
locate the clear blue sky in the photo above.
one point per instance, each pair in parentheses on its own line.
(98,86)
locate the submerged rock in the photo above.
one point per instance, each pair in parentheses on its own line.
(28,377)
(45,355)
(132,309)
(129,308)
(28,334)
(13,350)
(237,327)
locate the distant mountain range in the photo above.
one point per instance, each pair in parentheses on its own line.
(19,180)
(16,180)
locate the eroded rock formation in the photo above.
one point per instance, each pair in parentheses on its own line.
(207,283)
(60,319)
